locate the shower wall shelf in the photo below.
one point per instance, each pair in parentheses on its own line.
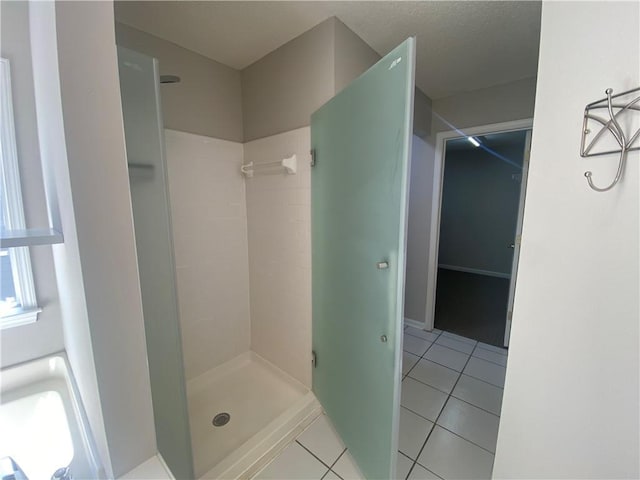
(290,165)
(603,130)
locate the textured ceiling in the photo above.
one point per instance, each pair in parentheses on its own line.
(461,45)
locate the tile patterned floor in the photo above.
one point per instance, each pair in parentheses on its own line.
(451,401)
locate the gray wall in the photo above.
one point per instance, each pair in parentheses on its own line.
(275,94)
(45,336)
(502,103)
(104,244)
(282,89)
(207,101)
(419,222)
(352,55)
(479,209)
(422,114)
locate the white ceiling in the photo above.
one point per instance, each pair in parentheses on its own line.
(461,45)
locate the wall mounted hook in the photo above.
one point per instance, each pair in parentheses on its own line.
(615,110)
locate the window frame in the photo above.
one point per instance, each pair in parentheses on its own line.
(13,209)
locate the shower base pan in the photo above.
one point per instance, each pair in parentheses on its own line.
(258,408)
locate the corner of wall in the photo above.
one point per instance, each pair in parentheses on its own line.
(499,103)
(105,284)
(44,336)
(283,88)
(352,56)
(208,99)
(422,114)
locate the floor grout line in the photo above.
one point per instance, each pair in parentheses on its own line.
(463,438)
(422,338)
(453,348)
(448,395)
(333,464)
(339,457)
(314,455)
(430,471)
(437,363)
(483,381)
(503,351)
(416,413)
(432,386)
(472,404)
(501,387)
(423,354)
(489,361)
(461,371)
(435,423)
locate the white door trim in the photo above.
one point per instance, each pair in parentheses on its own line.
(436,204)
(517,242)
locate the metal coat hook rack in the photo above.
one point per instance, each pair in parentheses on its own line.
(595,128)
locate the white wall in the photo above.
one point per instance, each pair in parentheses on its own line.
(209,215)
(571,396)
(279,219)
(51,136)
(45,336)
(98,261)
(229,242)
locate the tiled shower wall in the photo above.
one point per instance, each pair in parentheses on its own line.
(279,221)
(242,251)
(209,215)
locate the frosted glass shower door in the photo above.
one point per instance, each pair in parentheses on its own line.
(361,140)
(144,135)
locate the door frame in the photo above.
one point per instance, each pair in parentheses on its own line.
(517,241)
(436,200)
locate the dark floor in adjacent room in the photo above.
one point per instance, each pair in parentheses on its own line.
(472,305)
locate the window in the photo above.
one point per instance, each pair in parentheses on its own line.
(18,304)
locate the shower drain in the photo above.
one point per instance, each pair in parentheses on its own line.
(221,419)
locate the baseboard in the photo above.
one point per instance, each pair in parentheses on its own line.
(488,273)
(414,323)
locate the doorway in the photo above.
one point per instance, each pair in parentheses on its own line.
(479,190)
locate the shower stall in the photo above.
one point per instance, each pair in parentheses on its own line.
(220,407)
(226,262)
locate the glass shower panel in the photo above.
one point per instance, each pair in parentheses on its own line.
(140,91)
(362,145)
